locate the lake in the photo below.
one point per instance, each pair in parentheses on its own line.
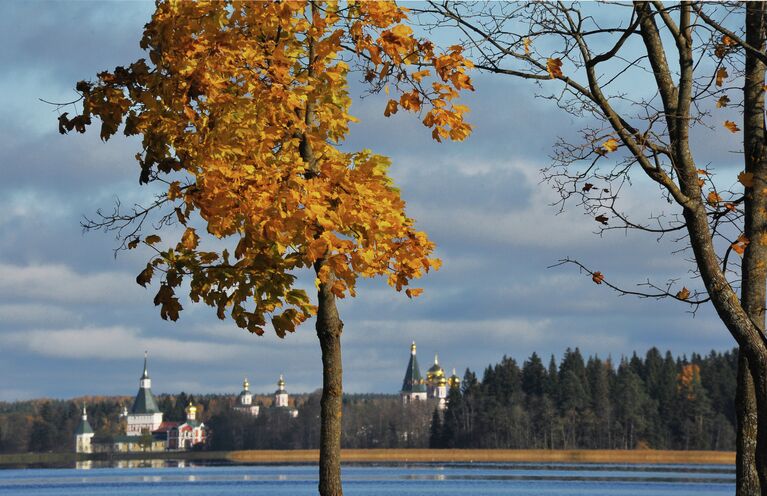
(423,479)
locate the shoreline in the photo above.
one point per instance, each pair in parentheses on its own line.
(393,456)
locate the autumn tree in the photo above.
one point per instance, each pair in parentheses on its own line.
(700,63)
(241,107)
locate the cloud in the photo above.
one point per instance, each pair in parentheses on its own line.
(39,313)
(59,283)
(116,342)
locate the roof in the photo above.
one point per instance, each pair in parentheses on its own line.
(166,426)
(413,382)
(83,428)
(145,402)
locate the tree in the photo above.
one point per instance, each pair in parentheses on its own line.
(240,108)
(701,62)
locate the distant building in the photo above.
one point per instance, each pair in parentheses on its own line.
(281,398)
(84,435)
(145,415)
(189,434)
(145,429)
(434,387)
(245,401)
(436,384)
(413,386)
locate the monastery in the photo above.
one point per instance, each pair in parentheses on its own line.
(145,429)
(434,388)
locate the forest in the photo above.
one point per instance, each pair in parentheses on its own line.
(656,401)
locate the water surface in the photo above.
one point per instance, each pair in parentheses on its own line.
(423,479)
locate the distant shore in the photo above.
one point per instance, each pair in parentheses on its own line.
(394,456)
(489,455)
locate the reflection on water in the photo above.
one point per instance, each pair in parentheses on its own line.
(168,478)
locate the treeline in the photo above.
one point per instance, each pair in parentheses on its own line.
(656,401)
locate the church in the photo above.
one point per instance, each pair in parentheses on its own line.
(145,429)
(245,404)
(435,387)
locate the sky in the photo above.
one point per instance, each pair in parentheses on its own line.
(73,322)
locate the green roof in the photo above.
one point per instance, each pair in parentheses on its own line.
(83,428)
(413,382)
(145,402)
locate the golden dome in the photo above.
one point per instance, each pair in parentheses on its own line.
(245,384)
(454,380)
(435,372)
(191,410)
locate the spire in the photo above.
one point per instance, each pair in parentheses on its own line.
(413,382)
(146,371)
(436,359)
(245,384)
(281,383)
(85,413)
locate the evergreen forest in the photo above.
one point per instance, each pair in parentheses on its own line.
(653,401)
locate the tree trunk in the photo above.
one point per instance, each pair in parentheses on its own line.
(745,405)
(329,328)
(752,411)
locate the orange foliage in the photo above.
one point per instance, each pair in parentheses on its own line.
(230,99)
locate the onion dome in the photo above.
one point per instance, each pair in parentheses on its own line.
(191,411)
(454,380)
(245,387)
(435,372)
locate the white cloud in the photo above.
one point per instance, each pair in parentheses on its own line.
(59,283)
(26,313)
(115,342)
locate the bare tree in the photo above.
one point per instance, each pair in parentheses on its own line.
(696,59)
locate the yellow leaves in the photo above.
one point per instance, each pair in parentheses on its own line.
(391,108)
(731,126)
(721,76)
(740,244)
(410,101)
(227,111)
(683,294)
(597,277)
(554,67)
(723,101)
(526,43)
(190,239)
(413,292)
(610,145)
(746,179)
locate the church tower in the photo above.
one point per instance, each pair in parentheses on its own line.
(413,387)
(145,415)
(281,395)
(245,400)
(84,435)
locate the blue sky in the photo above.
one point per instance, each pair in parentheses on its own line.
(73,322)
